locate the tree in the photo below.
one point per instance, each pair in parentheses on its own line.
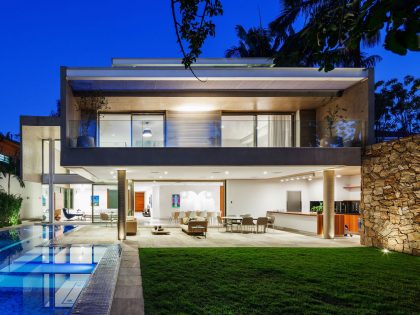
(397,106)
(9,169)
(328,37)
(193,24)
(57,112)
(256,42)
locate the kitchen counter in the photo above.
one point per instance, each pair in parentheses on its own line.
(305,222)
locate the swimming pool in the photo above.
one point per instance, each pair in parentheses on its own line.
(39,278)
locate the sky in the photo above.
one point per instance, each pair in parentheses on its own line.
(37,37)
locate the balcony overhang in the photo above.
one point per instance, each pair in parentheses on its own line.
(81,157)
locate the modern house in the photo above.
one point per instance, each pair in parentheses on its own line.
(246,137)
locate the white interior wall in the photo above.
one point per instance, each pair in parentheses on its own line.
(82,195)
(193,197)
(258,196)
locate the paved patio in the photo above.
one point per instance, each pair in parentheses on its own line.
(96,234)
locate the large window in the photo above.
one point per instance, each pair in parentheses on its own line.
(238,131)
(131,130)
(115,130)
(257,130)
(148,130)
(274,131)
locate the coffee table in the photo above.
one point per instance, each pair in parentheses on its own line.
(154,232)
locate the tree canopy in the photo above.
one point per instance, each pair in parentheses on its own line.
(397,107)
(333,31)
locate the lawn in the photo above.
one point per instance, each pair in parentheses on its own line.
(279,280)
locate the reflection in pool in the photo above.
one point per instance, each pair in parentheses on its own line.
(40,279)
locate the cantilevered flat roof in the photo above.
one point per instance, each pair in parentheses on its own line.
(202,62)
(215,74)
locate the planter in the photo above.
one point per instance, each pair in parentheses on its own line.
(85,142)
(332,142)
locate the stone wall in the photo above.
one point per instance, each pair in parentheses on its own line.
(390,200)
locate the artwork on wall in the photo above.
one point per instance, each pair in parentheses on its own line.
(176,201)
(95,200)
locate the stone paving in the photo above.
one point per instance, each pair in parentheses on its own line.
(96,234)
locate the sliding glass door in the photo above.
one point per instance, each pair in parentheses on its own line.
(265,130)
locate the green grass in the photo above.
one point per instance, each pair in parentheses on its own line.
(279,281)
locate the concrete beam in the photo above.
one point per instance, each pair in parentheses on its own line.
(122,204)
(328,202)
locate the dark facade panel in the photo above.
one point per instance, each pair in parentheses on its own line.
(209,156)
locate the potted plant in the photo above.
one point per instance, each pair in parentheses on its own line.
(318,209)
(332,116)
(88,106)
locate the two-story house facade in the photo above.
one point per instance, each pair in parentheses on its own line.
(245,137)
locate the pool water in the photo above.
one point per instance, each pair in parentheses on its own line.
(38,278)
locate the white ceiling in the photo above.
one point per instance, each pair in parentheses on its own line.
(161,173)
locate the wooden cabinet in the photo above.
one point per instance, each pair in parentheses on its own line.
(351,220)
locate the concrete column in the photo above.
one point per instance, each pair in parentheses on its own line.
(122,204)
(51,171)
(328,208)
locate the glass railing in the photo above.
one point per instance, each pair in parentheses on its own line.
(216,133)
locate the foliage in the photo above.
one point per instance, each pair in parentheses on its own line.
(319,208)
(332,116)
(397,107)
(9,209)
(195,25)
(9,170)
(278,281)
(88,106)
(57,112)
(256,42)
(331,36)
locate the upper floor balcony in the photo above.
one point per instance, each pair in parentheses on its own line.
(186,130)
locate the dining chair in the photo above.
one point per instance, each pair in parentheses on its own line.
(270,222)
(209,216)
(222,223)
(248,224)
(176,216)
(262,221)
(187,214)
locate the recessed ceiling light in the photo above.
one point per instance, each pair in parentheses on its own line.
(292,179)
(265,172)
(112,172)
(227,172)
(338,176)
(310,178)
(165,172)
(286,180)
(282,180)
(297,178)
(304,177)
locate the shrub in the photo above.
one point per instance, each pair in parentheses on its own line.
(9,209)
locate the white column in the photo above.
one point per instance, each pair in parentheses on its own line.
(328,208)
(51,171)
(122,204)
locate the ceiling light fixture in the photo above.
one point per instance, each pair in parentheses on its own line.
(165,172)
(338,176)
(227,172)
(147,132)
(265,172)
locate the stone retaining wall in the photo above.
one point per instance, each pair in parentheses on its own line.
(390,200)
